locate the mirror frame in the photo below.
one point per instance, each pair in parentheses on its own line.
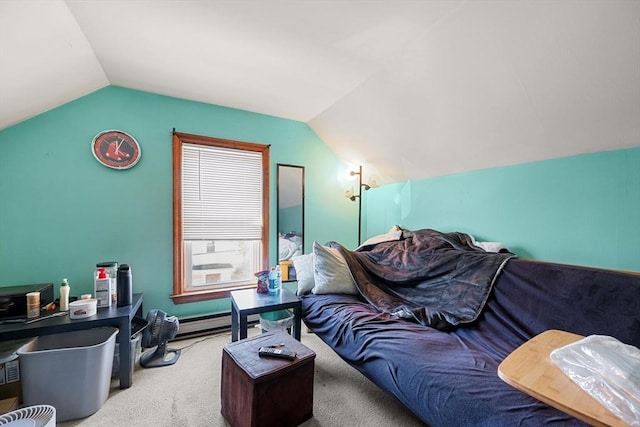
(279,187)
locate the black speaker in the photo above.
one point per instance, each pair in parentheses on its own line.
(13,299)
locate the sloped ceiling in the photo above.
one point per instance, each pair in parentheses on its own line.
(409,89)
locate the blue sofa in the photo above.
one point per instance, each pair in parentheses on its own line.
(449,378)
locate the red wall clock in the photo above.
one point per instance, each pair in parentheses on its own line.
(116,149)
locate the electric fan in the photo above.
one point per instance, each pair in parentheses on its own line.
(31,416)
(161,329)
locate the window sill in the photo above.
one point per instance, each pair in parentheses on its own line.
(209,294)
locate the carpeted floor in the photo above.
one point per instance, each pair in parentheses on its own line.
(187,394)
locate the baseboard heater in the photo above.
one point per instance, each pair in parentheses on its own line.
(209,324)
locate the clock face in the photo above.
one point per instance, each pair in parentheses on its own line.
(116,149)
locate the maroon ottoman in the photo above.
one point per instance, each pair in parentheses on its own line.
(258,391)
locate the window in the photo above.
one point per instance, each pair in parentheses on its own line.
(220,215)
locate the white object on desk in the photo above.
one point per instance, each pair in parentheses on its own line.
(83,308)
(64,295)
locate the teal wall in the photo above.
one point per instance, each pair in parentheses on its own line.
(62,212)
(582,210)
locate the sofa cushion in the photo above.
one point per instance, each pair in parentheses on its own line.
(331,274)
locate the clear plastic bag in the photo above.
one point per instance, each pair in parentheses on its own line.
(608,370)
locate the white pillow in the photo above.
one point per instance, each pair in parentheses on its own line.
(304,273)
(331,273)
(395,233)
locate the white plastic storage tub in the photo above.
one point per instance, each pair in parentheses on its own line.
(70,371)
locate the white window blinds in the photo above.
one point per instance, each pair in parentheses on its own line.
(221,193)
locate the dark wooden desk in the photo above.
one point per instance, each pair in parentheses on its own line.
(119,317)
(247,301)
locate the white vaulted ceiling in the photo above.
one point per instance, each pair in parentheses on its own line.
(410,89)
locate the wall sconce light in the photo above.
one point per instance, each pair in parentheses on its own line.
(351,195)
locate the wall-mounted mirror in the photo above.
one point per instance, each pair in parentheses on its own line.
(290,188)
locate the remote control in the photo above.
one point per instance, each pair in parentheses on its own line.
(281,353)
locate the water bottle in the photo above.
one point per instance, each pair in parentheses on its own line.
(278,278)
(273,281)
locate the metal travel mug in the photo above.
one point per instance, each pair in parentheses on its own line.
(124,286)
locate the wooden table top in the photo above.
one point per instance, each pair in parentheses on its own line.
(530,369)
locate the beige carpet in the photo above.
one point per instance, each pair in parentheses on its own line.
(187,394)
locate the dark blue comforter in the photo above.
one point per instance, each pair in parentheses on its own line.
(439,279)
(450,378)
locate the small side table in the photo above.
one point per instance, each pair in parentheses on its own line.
(246,302)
